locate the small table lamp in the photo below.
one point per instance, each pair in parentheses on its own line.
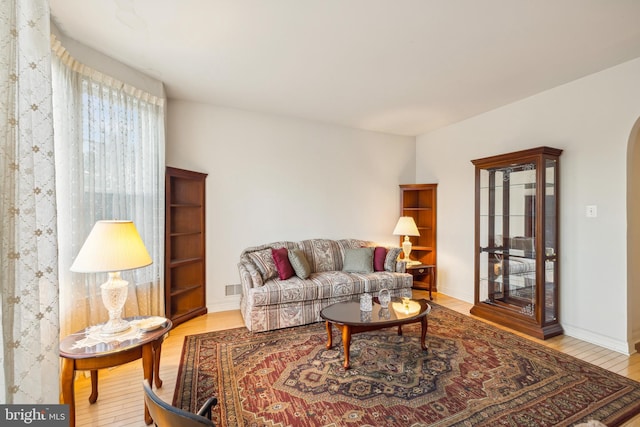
(112,246)
(406,227)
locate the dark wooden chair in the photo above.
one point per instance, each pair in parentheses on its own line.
(165,415)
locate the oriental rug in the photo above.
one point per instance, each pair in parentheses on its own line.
(472,375)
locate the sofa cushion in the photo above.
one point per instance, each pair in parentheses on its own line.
(379,257)
(359,260)
(322,254)
(353,243)
(264,262)
(254,273)
(299,263)
(281,259)
(391,259)
(374,282)
(318,286)
(327,285)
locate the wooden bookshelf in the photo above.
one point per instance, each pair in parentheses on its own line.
(419,202)
(185,236)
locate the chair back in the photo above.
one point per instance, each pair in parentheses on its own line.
(165,415)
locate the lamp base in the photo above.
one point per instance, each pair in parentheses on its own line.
(406,249)
(114,295)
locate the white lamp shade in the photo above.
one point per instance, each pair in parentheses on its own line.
(406,226)
(112,246)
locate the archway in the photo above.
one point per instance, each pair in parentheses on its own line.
(633,235)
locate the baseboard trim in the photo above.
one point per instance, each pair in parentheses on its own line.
(597,339)
(455,293)
(227,304)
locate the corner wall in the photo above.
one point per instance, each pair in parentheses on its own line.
(591,120)
(273,178)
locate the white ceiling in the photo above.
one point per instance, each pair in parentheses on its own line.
(398,66)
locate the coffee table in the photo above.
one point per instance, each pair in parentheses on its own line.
(348,318)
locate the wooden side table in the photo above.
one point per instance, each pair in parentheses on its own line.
(147,347)
(424,277)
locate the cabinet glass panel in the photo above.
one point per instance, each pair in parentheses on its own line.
(550,311)
(507,208)
(550,242)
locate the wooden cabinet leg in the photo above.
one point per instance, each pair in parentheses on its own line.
(66,383)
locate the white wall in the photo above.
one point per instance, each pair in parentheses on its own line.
(273,178)
(591,120)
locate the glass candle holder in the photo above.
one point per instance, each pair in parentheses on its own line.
(365,302)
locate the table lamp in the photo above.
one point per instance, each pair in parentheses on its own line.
(406,227)
(112,247)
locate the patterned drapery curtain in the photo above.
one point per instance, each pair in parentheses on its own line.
(28,261)
(109,142)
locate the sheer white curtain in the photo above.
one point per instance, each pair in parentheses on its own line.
(109,142)
(28,264)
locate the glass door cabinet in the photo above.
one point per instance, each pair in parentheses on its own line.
(516,241)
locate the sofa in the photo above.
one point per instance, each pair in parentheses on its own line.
(287,284)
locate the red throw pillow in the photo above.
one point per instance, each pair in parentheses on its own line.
(379,255)
(281,259)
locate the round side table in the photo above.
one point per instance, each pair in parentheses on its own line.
(146,346)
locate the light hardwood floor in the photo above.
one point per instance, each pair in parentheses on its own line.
(120,401)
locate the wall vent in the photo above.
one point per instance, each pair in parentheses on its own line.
(230,290)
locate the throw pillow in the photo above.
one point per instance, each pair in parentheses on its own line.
(264,261)
(254,273)
(358,260)
(391,259)
(379,256)
(299,263)
(281,258)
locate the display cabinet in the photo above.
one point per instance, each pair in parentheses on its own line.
(516,240)
(185,272)
(419,202)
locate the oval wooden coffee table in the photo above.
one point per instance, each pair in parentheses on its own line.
(348,318)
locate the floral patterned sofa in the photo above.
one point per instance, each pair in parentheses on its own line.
(268,302)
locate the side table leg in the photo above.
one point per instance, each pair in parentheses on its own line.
(432,282)
(423,335)
(157,350)
(94,386)
(66,383)
(329,335)
(346,343)
(147,368)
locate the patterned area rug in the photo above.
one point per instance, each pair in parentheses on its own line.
(473,375)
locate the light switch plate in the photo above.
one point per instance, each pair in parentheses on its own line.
(591,211)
